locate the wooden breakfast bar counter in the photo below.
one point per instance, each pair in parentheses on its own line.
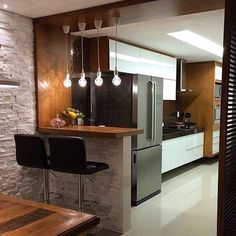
(107,194)
(92,131)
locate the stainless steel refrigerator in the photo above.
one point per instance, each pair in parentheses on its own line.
(136,103)
(146,148)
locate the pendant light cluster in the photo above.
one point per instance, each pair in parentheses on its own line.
(98,81)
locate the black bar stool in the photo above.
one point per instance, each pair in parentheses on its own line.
(31,152)
(68,155)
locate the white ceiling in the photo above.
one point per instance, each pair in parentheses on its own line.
(153,34)
(39,8)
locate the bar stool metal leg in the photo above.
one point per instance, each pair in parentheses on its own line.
(80,192)
(45,186)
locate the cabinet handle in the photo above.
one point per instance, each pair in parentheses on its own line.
(135,158)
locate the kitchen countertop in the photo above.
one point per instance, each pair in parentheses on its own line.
(91,131)
(169,134)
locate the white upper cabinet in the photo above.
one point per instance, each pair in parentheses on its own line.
(131,59)
(169,89)
(218,73)
(168,67)
(127,57)
(150,63)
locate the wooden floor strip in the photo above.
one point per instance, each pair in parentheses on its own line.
(4,205)
(24,220)
(15,211)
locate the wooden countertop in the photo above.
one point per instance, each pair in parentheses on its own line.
(91,131)
(22,217)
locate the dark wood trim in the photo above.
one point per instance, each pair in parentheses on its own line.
(35,73)
(223,123)
(131,11)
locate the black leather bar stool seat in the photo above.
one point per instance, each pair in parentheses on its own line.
(68,155)
(31,152)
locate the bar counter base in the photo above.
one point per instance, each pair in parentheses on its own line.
(108,193)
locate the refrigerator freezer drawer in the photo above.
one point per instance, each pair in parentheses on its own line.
(146,174)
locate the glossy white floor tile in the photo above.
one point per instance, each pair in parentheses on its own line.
(186,206)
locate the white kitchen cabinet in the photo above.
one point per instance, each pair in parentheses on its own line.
(127,57)
(168,67)
(150,63)
(131,59)
(218,73)
(216,142)
(182,150)
(169,89)
(172,153)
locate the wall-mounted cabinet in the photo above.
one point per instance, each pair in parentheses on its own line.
(218,73)
(205,108)
(135,60)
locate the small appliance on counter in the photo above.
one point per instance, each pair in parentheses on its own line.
(182,123)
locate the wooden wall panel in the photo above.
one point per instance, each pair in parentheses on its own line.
(200,78)
(52,96)
(104,54)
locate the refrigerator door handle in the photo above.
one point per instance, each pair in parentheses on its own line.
(155,111)
(152,109)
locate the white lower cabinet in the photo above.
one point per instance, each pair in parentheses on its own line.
(179,151)
(216,142)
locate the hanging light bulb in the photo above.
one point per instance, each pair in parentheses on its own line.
(98,81)
(67,82)
(116,80)
(82,81)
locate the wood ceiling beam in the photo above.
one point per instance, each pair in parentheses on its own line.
(131,11)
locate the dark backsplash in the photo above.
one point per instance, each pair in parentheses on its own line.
(169,110)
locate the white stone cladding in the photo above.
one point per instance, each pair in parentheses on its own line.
(17,105)
(107,193)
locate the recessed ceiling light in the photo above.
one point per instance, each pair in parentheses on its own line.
(5,6)
(198,41)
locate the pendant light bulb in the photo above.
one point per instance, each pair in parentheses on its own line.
(67,82)
(98,81)
(82,81)
(116,80)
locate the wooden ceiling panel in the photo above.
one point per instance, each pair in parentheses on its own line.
(130,12)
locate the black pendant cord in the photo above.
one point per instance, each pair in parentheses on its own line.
(116,60)
(98,49)
(82,52)
(67,64)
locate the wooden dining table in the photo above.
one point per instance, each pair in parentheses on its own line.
(20,217)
